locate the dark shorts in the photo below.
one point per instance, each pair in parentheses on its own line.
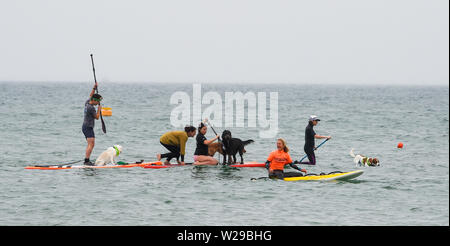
(88,132)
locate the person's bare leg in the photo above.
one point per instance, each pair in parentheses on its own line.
(90,147)
(205,160)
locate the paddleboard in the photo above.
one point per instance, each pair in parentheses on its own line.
(157,166)
(249,164)
(328,177)
(62,167)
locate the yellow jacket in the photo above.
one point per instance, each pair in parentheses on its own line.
(175,138)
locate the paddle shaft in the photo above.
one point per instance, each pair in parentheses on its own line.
(96,91)
(314,149)
(220,140)
(207,121)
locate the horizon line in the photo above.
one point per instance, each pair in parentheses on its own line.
(380,83)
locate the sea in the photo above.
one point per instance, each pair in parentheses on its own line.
(41,125)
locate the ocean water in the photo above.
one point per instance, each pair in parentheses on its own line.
(41,124)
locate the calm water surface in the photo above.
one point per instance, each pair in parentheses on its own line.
(41,124)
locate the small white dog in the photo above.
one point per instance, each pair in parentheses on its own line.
(361,160)
(108,156)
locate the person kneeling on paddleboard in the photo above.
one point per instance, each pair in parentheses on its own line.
(175,142)
(90,115)
(278,159)
(201,156)
(310,136)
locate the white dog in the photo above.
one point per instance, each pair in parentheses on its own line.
(361,160)
(108,156)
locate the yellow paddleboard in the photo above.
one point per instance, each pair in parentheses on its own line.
(327,177)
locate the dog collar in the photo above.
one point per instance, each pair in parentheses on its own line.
(365,160)
(117,150)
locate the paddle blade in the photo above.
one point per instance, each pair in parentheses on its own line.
(103,123)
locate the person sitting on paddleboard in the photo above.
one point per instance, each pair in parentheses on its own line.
(90,115)
(310,136)
(175,142)
(201,156)
(278,159)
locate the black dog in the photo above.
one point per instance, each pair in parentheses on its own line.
(231,146)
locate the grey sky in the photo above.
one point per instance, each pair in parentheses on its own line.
(315,41)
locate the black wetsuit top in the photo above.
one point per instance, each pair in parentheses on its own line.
(309,137)
(202,149)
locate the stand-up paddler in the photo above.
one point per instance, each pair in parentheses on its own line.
(90,115)
(310,136)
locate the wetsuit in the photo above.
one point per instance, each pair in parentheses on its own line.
(175,142)
(310,144)
(202,148)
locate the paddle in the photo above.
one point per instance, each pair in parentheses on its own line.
(96,91)
(63,164)
(209,124)
(298,162)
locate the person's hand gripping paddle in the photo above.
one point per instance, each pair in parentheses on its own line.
(207,122)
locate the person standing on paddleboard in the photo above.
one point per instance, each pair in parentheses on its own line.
(278,159)
(310,136)
(90,115)
(201,156)
(175,142)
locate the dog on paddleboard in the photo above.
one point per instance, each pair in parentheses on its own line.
(361,160)
(213,148)
(232,146)
(109,156)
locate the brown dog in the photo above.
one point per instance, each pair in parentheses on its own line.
(215,147)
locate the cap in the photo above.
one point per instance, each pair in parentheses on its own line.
(96,97)
(313,118)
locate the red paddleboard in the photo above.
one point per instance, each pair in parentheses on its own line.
(158,166)
(249,164)
(62,167)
